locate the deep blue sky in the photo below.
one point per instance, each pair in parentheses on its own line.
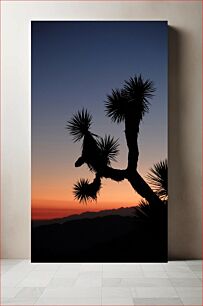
(74,65)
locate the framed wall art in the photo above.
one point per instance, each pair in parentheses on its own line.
(99,141)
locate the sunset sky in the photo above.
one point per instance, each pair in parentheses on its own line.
(75,65)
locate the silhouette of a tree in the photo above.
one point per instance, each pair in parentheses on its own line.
(158,179)
(129,105)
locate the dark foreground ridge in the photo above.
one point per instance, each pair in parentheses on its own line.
(111,238)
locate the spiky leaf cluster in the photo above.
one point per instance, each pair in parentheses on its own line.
(85,191)
(79,125)
(158,178)
(109,148)
(132,98)
(139,92)
(116,105)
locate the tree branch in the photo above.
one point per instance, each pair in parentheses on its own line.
(136,181)
(114,174)
(134,178)
(139,184)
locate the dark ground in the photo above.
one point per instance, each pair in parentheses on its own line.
(103,239)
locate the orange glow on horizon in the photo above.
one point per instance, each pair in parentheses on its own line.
(49,209)
(53,199)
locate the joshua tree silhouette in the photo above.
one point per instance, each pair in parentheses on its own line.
(129,105)
(158,179)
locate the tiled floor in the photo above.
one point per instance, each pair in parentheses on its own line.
(174,283)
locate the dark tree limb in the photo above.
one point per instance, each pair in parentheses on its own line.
(114,174)
(134,178)
(139,184)
(131,134)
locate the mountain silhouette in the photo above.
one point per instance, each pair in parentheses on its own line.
(122,211)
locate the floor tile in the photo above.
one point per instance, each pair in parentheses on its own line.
(61,282)
(37,279)
(22,301)
(196,268)
(177,268)
(157,301)
(91,267)
(69,301)
(68,273)
(145,282)
(72,292)
(181,274)
(111,282)
(155,274)
(153,268)
(185,282)
(90,274)
(122,274)
(189,291)
(115,292)
(91,281)
(15,275)
(193,262)
(12,280)
(122,268)
(192,301)
(151,292)
(176,263)
(117,301)
(45,267)
(30,292)
(70,267)
(9,292)
(173,283)
(198,274)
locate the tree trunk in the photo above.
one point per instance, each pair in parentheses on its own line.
(136,181)
(131,134)
(139,184)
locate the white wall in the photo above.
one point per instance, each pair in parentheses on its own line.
(184,112)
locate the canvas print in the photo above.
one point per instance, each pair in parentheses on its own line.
(99,141)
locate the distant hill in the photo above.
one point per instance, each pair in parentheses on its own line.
(122,211)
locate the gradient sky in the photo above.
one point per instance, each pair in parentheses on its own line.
(74,65)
